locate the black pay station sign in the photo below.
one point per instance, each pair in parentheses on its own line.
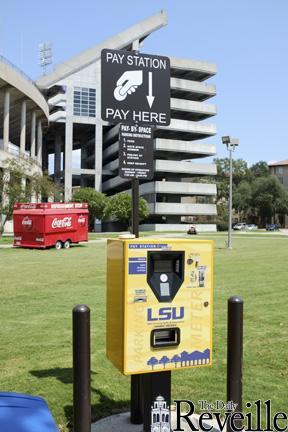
(136,152)
(135,88)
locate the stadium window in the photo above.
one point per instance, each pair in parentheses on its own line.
(84,101)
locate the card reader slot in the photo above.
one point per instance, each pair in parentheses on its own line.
(165,337)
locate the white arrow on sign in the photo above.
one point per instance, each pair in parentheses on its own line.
(150,97)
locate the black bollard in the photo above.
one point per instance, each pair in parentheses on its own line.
(81,369)
(235,355)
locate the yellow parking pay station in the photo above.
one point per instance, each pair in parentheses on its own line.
(159,304)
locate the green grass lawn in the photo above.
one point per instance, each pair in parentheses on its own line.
(8,239)
(39,289)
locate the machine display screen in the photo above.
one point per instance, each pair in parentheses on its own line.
(165,273)
(163,266)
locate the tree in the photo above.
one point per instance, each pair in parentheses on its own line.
(97,201)
(222,216)
(242,199)
(42,187)
(269,198)
(260,169)
(164,360)
(240,172)
(257,194)
(119,206)
(13,188)
(11,191)
(176,359)
(152,362)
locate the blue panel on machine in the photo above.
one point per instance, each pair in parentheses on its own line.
(137,265)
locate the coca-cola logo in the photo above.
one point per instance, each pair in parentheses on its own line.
(82,220)
(66,222)
(27,223)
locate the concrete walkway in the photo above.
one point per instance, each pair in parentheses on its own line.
(121,423)
(6,246)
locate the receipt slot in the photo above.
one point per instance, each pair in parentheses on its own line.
(159,304)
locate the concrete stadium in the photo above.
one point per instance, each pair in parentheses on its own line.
(80,149)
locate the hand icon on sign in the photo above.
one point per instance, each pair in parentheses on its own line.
(127,84)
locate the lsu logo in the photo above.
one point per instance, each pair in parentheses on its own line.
(165,314)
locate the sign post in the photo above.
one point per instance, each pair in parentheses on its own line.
(135,91)
(135,207)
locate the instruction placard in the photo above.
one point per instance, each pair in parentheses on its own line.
(136,152)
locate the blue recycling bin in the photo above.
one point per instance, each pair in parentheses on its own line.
(25,413)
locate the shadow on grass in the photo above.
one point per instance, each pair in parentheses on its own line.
(103,408)
(72,246)
(64,375)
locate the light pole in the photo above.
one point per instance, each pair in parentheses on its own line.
(45,55)
(231,144)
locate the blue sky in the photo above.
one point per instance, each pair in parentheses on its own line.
(247,39)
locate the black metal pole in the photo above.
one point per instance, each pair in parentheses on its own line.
(81,369)
(136,404)
(235,354)
(135,207)
(136,401)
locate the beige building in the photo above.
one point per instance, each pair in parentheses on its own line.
(280,170)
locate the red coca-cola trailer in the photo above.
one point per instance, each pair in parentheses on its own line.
(50,224)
